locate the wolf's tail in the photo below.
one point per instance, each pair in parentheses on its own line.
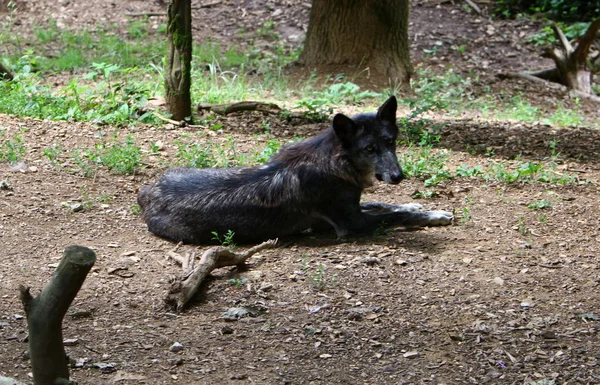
(144,196)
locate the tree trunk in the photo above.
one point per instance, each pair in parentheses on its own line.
(366,35)
(46,312)
(179,60)
(573,68)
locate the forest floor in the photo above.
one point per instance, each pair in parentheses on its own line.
(509,294)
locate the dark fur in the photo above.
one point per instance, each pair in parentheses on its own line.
(305,185)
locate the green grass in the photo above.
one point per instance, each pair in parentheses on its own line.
(519,108)
(425,163)
(225,239)
(540,204)
(120,157)
(546,37)
(454,93)
(12,147)
(431,165)
(107,94)
(317,276)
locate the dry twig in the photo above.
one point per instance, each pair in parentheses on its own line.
(184,288)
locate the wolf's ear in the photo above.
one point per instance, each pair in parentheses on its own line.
(387,111)
(344,127)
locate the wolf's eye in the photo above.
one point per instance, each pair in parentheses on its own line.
(370,149)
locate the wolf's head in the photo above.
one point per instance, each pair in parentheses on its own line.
(370,141)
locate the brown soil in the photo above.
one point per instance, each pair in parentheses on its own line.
(506,295)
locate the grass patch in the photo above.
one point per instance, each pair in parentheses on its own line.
(12,148)
(108,95)
(119,157)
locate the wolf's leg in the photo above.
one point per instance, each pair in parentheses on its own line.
(382,207)
(407,219)
(348,221)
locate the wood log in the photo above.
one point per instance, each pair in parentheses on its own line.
(46,312)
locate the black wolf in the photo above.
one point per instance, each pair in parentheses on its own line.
(312,184)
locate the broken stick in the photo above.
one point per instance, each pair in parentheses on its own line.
(183,290)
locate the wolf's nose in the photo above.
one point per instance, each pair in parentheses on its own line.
(396,177)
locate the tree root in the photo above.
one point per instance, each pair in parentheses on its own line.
(226,109)
(532,77)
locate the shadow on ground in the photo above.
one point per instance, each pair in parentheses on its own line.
(513,139)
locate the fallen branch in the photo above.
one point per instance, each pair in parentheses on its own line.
(475,7)
(226,109)
(45,313)
(182,290)
(531,77)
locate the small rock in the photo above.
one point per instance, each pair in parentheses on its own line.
(325,356)
(105,367)
(401,262)
(370,261)
(265,287)
(411,355)
(527,304)
(5,185)
(128,261)
(71,342)
(549,335)
(236,313)
(19,167)
(499,281)
(494,374)
(252,276)
(176,347)
(76,207)
(226,330)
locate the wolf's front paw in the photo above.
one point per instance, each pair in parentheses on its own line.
(439,218)
(408,207)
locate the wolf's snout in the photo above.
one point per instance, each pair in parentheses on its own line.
(395,178)
(391,178)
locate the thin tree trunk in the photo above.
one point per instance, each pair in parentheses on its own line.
(179,60)
(46,312)
(370,35)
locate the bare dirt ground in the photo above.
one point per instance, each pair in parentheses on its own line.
(507,295)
